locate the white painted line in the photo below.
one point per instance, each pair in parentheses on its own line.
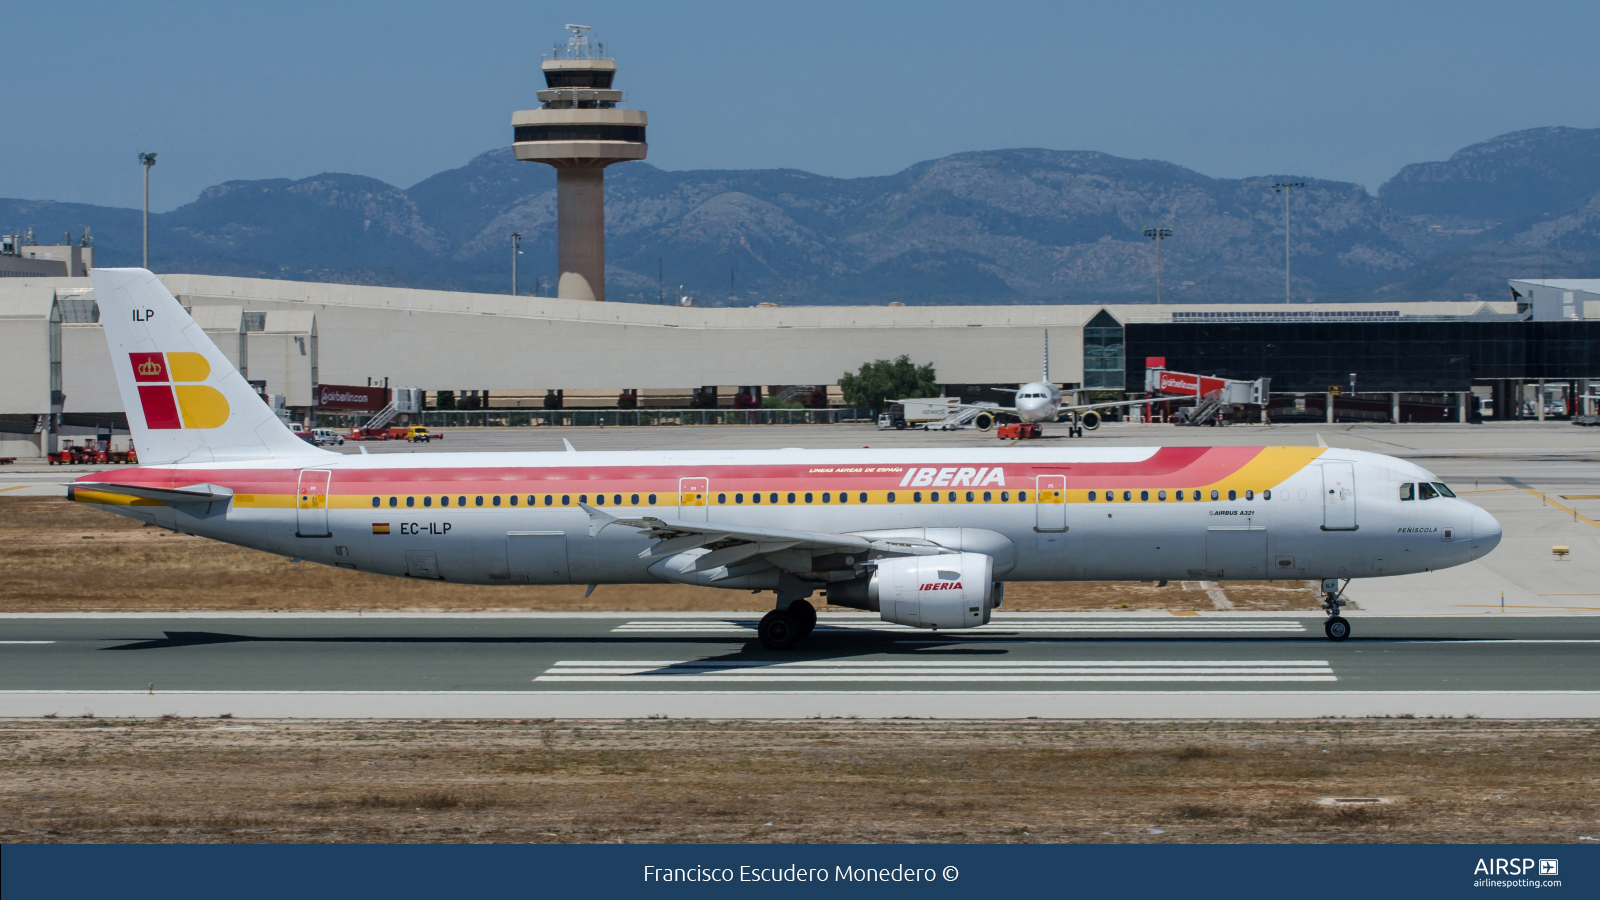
(938,671)
(27,642)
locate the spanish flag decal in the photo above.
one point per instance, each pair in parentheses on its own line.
(380,527)
(168,402)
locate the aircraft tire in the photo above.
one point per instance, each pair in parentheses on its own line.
(804,616)
(1336,628)
(777,630)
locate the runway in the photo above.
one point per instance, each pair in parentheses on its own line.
(618,665)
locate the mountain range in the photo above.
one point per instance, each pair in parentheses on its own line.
(1002,226)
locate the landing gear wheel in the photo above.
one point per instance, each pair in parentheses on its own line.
(777,630)
(1337,628)
(804,616)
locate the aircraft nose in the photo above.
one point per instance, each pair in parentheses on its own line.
(1485,531)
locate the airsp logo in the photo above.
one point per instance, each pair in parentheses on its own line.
(1523,866)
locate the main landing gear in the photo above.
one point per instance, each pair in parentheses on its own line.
(781,628)
(1337,628)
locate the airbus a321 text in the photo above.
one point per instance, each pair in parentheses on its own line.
(926,538)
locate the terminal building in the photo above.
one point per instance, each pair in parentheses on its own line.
(502,352)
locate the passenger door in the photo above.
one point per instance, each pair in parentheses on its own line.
(1338,496)
(693,495)
(1236,552)
(1050,511)
(537,557)
(311,504)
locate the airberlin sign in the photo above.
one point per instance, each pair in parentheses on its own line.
(170,395)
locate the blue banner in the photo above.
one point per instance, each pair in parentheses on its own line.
(307,872)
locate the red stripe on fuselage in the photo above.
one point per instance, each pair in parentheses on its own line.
(1167,467)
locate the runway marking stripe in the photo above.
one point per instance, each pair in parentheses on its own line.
(1016,671)
(936,678)
(27,642)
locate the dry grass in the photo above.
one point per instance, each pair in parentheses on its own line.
(66,556)
(823,781)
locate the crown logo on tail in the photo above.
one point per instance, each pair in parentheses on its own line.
(149,367)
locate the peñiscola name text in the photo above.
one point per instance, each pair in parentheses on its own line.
(793,873)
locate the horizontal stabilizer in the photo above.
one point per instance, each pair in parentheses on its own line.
(194,493)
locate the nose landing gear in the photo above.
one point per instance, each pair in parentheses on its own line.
(1337,628)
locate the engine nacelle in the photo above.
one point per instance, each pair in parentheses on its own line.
(983,421)
(950,590)
(1090,420)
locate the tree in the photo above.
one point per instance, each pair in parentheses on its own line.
(444,400)
(882,381)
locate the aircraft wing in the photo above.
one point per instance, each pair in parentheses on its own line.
(193,493)
(1087,406)
(743,545)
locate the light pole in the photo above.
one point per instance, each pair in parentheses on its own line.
(516,251)
(1158,234)
(147,160)
(1285,188)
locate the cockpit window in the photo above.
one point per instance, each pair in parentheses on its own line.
(1408,491)
(1443,490)
(1426,491)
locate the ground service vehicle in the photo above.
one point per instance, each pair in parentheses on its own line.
(324,436)
(924,537)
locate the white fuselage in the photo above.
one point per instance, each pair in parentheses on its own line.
(451,517)
(1038,402)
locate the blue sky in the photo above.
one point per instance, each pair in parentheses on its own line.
(400,90)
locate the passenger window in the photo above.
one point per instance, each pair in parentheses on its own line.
(427,501)
(891,496)
(916,496)
(411,501)
(825,497)
(1196,497)
(616,499)
(461,501)
(773,497)
(933,496)
(1425,491)
(1408,491)
(722,499)
(971,496)
(1443,491)
(1249,495)
(1022,496)
(652,499)
(1005,496)
(633,500)
(599,500)
(1161,495)
(863,497)
(952,497)
(1091,496)
(1144,496)
(513,499)
(844,497)
(755,497)
(1127,496)
(1266,495)
(737,498)
(496,499)
(583,498)
(549,500)
(393,502)
(1213,494)
(375,503)
(988,496)
(444,501)
(1233,495)
(566,499)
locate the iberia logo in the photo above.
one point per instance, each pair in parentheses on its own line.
(169,394)
(942,586)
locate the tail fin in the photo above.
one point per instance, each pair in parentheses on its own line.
(1046,378)
(185,401)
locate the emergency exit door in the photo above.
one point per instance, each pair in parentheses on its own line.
(311,503)
(693,495)
(1338,496)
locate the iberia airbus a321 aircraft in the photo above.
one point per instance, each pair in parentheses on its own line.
(925,537)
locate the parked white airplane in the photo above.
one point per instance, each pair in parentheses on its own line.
(1041,401)
(925,538)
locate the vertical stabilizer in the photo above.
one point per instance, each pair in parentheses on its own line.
(185,401)
(1046,378)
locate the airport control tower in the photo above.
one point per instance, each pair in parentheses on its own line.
(579,130)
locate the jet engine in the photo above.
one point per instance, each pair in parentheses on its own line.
(950,590)
(1090,420)
(983,421)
